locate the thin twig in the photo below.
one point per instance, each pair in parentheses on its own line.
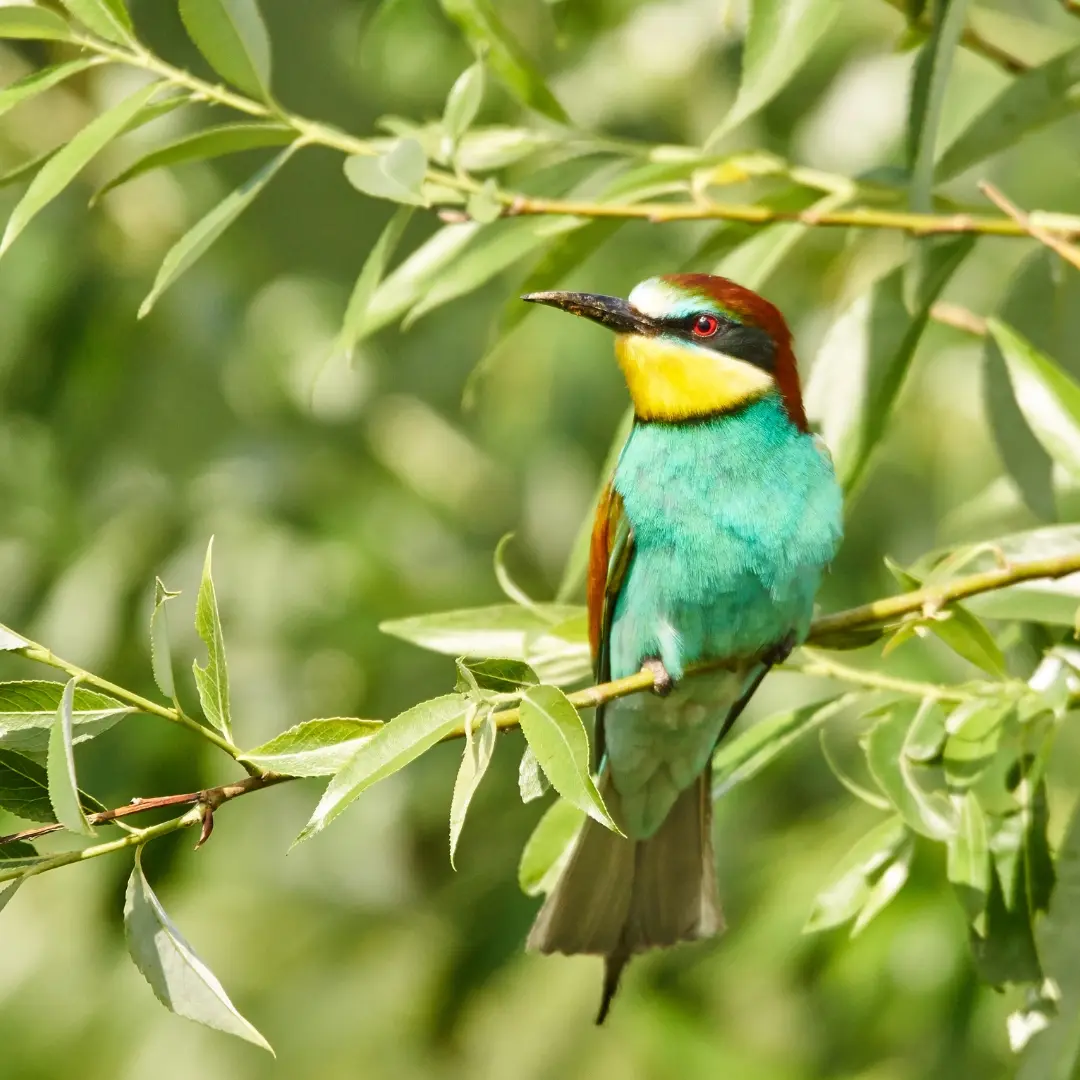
(959,318)
(1069,252)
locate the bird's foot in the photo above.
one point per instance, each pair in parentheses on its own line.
(662,680)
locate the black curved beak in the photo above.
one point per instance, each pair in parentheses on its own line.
(610,311)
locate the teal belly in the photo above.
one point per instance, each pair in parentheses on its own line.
(734,521)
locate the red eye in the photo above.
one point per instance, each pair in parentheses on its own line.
(706,325)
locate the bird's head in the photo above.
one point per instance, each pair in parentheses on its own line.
(693,345)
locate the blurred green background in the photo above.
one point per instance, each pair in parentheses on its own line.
(342,495)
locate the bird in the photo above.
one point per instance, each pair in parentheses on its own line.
(708,547)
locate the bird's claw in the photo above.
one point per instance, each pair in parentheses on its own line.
(662,680)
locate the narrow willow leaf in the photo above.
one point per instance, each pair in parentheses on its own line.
(500,630)
(179,979)
(368,282)
(489,37)
(848,887)
(500,675)
(864,359)
(232,37)
(862,793)
(69,160)
(160,652)
(397,175)
(9,640)
(28,712)
(32,23)
(893,878)
(1047,396)
(547,849)
(928,813)
(463,102)
(212,681)
(554,730)
(18,853)
(968,636)
(1032,100)
(195,242)
(975,730)
(106,18)
(479,746)
(63,787)
(37,82)
(497,247)
(926,736)
(7,893)
(203,145)
(781,37)
(320,747)
(532,783)
(969,856)
(391,748)
(747,754)
(24,788)
(930,78)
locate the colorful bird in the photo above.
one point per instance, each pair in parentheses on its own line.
(709,544)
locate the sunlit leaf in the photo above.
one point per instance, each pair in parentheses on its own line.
(1032,100)
(28,712)
(975,729)
(204,145)
(391,748)
(926,735)
(548,848)
(32,23)
(557,736)
(232,37)
(532,783)
(179,979)
(10,640)
(968,636)
(860,792)
(498,674)
(490,38)
(781,37)
(69,160)
(969,856)
(888,885)
(314,748)
(195,242)
(463,102)
(212,681)
(24,788)
(479,746)
(848,887)
(745,755)
(106,18)
(37,82)
(63,786)
(397,175)
(160,651)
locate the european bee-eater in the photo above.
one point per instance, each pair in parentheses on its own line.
(709,544)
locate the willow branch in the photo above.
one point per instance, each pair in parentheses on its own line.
(1067,251)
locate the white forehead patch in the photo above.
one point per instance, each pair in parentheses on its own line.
(654,298)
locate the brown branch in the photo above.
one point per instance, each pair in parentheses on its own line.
(959,318)
(1069,252)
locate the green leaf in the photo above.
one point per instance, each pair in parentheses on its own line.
(1047,396)
(483,206)
(179,979)
(319,747)
(1032,100)
(975,730)
(930,78)
(496,248)
(28,713)
(160,653)
(927,813)
(9,892)
(489,37)
(212,681)
(37,82)
(9,640)
(108,19)
(888,885)
(548,848)
(862,793)
(557,736)
(63,787)
(968,636)
(969,856)
(32,23)
(926,736)
(232,37)
(501,675)
(463,102)
(740,758)
(360,301)
(69,160)
(24,788)
(1004,949)
(532,783)
(391,748)
(864,359)
(195,242)
(479,746)
(849,884)
(397,175)
(204,145)
(781,37)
